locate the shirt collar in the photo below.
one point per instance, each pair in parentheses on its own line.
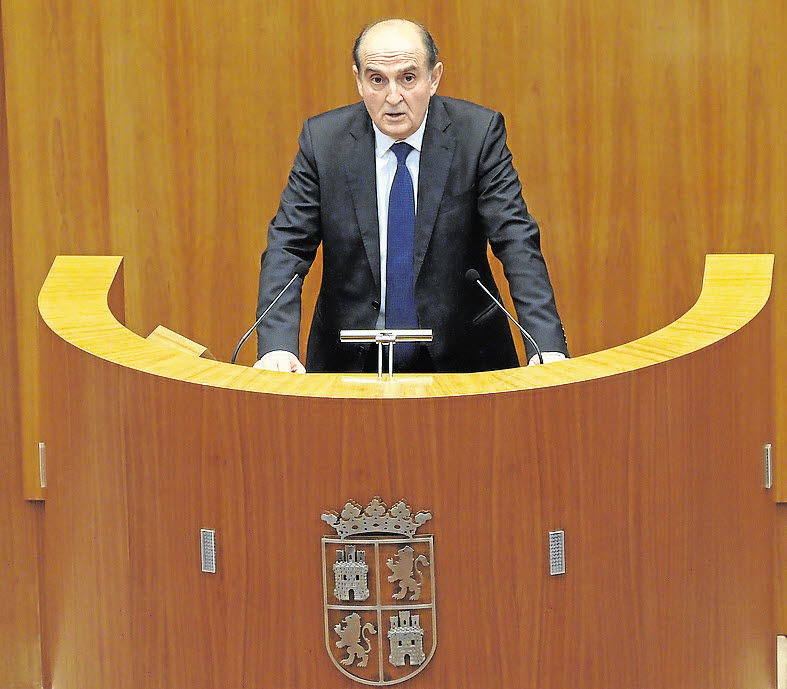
(383,142)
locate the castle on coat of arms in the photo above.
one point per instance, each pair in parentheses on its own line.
(351,574)
(406,637)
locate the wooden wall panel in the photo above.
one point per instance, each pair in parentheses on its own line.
(647,134)
(781,569)
(20,657)
(643,134)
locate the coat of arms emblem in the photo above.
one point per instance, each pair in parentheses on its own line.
(379,592)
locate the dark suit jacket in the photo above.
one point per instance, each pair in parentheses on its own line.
(468,194)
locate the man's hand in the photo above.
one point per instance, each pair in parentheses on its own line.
(549,357)
(280,360)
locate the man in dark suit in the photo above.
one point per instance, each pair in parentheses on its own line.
(404,190)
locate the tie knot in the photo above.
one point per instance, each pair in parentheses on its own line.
(401,151)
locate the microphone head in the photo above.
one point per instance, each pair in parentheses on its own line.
(472,275)
(301,269)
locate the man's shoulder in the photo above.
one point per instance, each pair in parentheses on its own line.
(459,110)
(341,117)
(457,105)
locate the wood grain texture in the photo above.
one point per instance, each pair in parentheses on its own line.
(647,134)
(169,337)
(20,657)
(670,560)
(74,303)
(88,579)
(781,569)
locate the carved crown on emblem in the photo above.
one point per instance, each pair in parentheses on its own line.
(376,518)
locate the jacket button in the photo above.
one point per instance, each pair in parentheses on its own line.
(375,304)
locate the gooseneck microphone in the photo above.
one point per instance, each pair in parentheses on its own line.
(473,276)
(300,272)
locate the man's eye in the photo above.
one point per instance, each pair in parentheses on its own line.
(376,79)
(409,78)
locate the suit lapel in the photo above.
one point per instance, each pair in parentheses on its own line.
(437,151)
(361,174)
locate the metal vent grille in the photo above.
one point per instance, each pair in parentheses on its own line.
(557,552)
(208,550)
(42,464)
(767,466)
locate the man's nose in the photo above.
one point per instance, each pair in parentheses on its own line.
(393,96)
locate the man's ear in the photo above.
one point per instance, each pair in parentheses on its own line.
(434,78)
(358,81)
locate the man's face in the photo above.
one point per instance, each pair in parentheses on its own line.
(394,81)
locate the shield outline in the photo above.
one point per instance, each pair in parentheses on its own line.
(378,607)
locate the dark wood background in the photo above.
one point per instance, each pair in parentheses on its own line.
(647,134)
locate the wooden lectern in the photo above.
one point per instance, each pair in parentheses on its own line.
(647,457)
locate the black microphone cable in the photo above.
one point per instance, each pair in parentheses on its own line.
(300,272)
(473,276)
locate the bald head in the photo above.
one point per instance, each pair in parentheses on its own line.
(386,27)
(396,75)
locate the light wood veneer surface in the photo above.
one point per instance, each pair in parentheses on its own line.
(73,302)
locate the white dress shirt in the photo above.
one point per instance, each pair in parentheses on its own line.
(385,164)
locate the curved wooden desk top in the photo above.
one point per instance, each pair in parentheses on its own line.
(74,304)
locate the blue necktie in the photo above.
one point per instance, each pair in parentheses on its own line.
(399,300)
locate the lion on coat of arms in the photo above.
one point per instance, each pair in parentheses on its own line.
(405,569)
(350,638)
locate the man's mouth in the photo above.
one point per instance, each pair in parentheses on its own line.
(394,115)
